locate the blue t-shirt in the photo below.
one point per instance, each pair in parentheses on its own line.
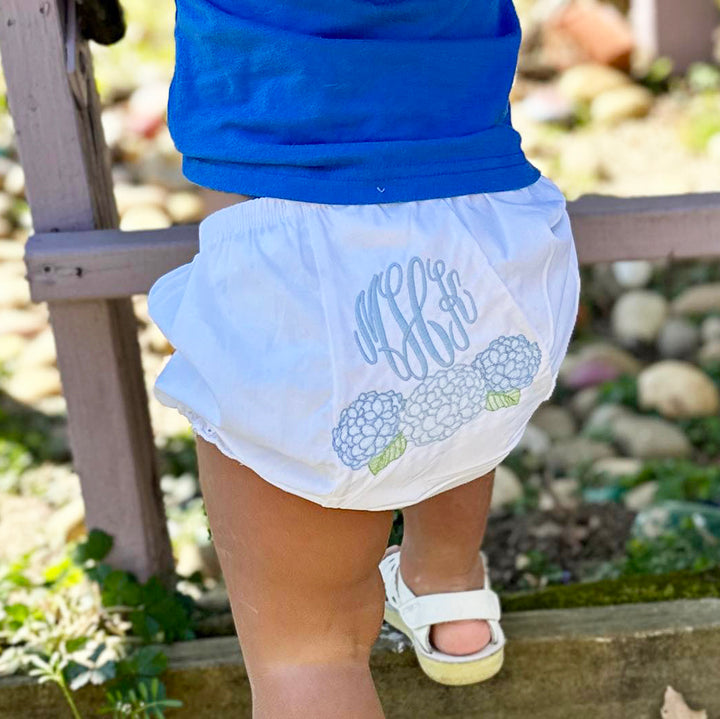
(347,101)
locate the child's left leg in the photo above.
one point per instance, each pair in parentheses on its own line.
(306,592)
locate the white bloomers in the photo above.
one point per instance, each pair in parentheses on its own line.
(370,356)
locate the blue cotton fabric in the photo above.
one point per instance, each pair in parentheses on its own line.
(352,102)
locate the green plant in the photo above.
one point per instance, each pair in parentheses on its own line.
(685,548)
(80,621)
(621,390)
(678,479)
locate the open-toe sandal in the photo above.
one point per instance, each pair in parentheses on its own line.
(414,616)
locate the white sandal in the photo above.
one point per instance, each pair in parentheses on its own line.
(414,616)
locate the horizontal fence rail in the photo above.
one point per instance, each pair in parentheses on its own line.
(112,263)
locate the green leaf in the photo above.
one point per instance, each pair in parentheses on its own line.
(96,546)
(394,450)
(499,400)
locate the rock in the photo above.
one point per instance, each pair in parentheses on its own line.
(603,418)
(128,196)
(11,345)
(185,207)
(677,389)
(638,316)
(650,438)
(587,31)
(11,250)
(144,217)
(548,104)
(618,466)
(146,109)
(22,322)
(15,181)
(583,402)
(567,490)
(29,384)
(640,497)
(632,274)
(709,352)
(567,453)
(678,338)
(21,517)
(710,328)
(66,523)
(556,422)
(507,488)
(596,363)
(534,440)
(698,300)
(621,103)
(39,351)
(667,516)
(586,81)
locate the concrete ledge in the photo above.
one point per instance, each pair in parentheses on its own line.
(606,662)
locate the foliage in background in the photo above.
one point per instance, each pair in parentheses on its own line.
(80,621)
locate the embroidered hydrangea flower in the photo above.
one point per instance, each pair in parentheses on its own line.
(366,427)
(442,403)
(508,363)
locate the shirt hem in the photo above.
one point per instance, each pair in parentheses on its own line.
(256,181)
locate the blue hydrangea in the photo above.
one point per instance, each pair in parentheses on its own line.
(508,363)
(442,403)
(366,427)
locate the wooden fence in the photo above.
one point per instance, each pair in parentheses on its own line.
(86,269)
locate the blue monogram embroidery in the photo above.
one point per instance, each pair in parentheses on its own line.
(419,338)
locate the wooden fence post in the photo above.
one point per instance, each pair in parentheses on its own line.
(56,112)
(679,29)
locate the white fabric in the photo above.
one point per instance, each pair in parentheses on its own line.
(370,356)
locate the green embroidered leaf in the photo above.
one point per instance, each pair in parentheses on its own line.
(498,400)
(389,454)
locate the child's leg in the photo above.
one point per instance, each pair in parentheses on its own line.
(306,593)
(442,537)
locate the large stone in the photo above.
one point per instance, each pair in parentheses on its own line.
(144,217)
(678,338)
(638,315)
(11,345)
(507,488)
(568,453)
(22,322)
(39,351)
(677,389)
(596,363)
(650,438)
(603,418)
(185,207)
(640,497)
(586,81)
(128,196)
(534,440)
(29,384)
(710,351)
(710,328)
(11,250)
(621,103)
(632,274)
(582,403)
(557,422)
(618,466)
(698,300)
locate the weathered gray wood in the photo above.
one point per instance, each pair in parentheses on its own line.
(678,29)
(57,120)
(111,263)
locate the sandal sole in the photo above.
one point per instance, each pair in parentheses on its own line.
(455,673)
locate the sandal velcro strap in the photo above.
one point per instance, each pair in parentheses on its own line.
(429,609)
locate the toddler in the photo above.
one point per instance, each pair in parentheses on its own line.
(369,328)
